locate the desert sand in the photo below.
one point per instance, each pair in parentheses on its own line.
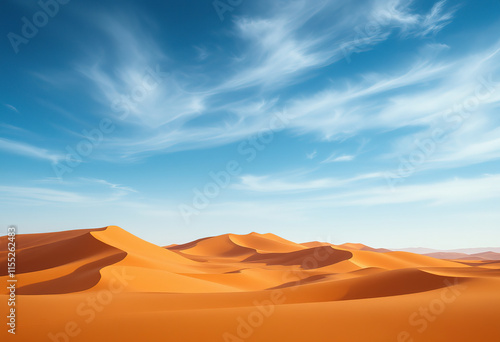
(108,285)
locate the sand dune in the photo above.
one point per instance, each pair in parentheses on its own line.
(464,256)
(310,258)
(108,285)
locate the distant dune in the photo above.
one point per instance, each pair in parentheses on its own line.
(458,254)
(463,256)
(108,285)
(468,251)
(351,246)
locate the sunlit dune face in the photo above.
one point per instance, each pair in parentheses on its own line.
(254,287)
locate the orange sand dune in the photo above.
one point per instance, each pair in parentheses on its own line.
(463,256)
(108,285)
(353,246)
(314,257)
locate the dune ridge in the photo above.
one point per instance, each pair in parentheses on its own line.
(205,289)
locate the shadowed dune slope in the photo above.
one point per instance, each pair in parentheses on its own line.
(31,240)
(53,251)
(61,262)
(219,246)
(310,258)
(361,247)
(113,286)
(81,279)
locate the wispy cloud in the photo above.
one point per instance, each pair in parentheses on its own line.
(436,19)
(275,184)
(334,158)
(398,13)
(11,107)
(276,52)
(459,190)
(267,184)
(108,184)
(443,192)
(41,195)
(27,150)
(80,191)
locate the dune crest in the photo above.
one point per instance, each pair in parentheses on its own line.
(214,288)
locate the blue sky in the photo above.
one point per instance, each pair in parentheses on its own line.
(367,121)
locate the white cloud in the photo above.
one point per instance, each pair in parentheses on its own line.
(436,19)
(11,107)
(108,184)
(458,190)
(476,144)
(334,158)
(10,193)
(461,109)
(83,191)
(265,184)
(27,150)
(276,51)
(274,184)
(398,13)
